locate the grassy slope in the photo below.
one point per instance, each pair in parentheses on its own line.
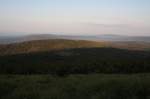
(74,61)
(46,45)
(96,86)
(131,45)
(90,86)
(60,44)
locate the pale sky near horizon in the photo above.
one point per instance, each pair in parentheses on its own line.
(75,17)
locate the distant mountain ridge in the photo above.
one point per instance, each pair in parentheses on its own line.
(14,39)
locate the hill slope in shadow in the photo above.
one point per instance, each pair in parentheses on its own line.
(77,61)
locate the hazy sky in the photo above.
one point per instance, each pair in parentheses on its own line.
(124,17)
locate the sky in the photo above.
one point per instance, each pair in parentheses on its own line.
(75,17)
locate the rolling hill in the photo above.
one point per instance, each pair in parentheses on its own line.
(60,56)
(46,45)
(77,61)
(60,44)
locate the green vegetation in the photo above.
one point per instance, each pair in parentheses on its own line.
(98,86)
(67,69)
(77,61)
